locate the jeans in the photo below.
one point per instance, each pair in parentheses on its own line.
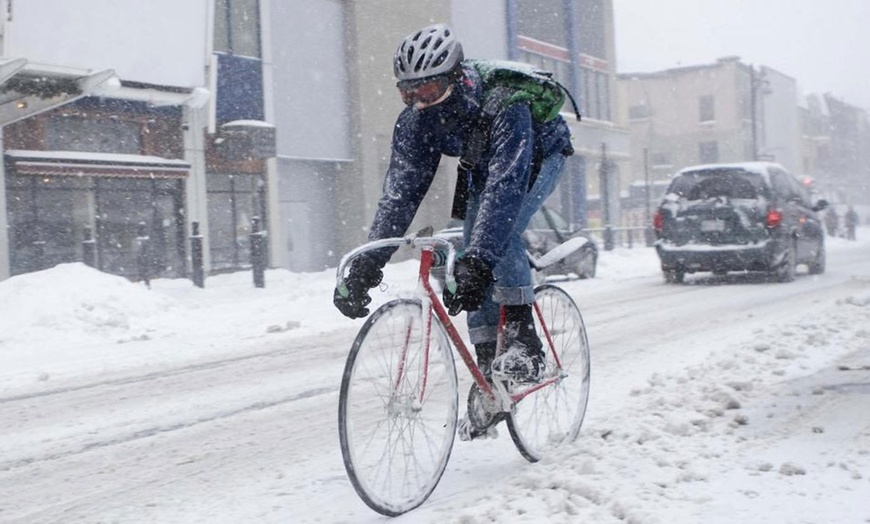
(512,273)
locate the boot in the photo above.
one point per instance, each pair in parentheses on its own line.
(485,353)
(468,429)
(523,359)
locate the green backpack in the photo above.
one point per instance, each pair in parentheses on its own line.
(506,83)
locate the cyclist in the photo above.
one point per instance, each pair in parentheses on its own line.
(444,103)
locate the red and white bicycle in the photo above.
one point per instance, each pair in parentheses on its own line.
(399,397)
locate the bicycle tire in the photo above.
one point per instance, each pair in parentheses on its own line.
(553,415)
(394,450)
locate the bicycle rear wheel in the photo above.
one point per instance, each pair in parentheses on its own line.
(397,407)
(553,415)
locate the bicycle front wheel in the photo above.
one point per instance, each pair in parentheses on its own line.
(397,407)
(553,415)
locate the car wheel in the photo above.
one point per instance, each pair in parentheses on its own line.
(817,266)
(784,272)
(674,276)
(587,264)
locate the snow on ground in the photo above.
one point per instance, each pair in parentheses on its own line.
(773,426)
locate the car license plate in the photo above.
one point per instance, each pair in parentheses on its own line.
(712,225)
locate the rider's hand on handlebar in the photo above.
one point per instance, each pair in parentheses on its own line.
(473,278)
(364,274)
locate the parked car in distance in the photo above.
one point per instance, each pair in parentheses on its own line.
(546,230)
(751,216)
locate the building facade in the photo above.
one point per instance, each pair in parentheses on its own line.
(100,139)
(133,135)
(723,112)
(844,166)
(279,113)
(330,87)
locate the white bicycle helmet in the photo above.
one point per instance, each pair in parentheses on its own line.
(431,51)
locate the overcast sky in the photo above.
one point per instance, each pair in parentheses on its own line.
(823,44)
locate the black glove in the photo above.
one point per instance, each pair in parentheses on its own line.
(364,274)
(473,278)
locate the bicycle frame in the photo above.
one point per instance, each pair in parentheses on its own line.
(496,393)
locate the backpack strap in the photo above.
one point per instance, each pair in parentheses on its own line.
(474,148)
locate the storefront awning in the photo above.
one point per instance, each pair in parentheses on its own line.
(75,163)
(29,89)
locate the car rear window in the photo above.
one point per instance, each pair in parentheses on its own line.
(710,183)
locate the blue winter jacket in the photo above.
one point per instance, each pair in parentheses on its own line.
(500,181)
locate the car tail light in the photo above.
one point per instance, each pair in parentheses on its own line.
(774,218)
(658,220)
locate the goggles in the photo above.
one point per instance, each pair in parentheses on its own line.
(424,92)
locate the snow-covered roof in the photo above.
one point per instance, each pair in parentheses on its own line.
(755,167)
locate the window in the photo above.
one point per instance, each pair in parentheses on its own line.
(706,109)
(708,152)
(603,97)
(708,183)
(786,186)
(595,97)
(48,216)
(543,20)
(233,202)
(638,112)
(557,67)
(237,27)
(75,133)
(592,18)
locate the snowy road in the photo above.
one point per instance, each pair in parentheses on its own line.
(713,401)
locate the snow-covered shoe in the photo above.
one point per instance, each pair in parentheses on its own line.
(524,359)
(481,417)
(467,431)
(520,363)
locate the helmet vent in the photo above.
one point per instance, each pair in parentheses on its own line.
(440,59)
(420,63)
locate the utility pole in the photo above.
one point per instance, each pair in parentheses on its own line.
(753,108)
(758,86)
(604,182)
(648,232)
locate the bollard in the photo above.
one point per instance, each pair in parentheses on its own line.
(196,255)
(650,236)
(608,238)
(143,258)
(89,249)
(258,252)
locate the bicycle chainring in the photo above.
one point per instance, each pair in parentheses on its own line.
(482,411)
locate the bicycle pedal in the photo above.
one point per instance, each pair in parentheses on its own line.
(481,413)
(466,431)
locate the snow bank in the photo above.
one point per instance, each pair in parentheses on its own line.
(75,298)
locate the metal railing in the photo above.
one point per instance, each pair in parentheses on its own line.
(610,237)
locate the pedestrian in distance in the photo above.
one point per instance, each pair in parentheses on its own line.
(851,220)
(508,168)
(832,221)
